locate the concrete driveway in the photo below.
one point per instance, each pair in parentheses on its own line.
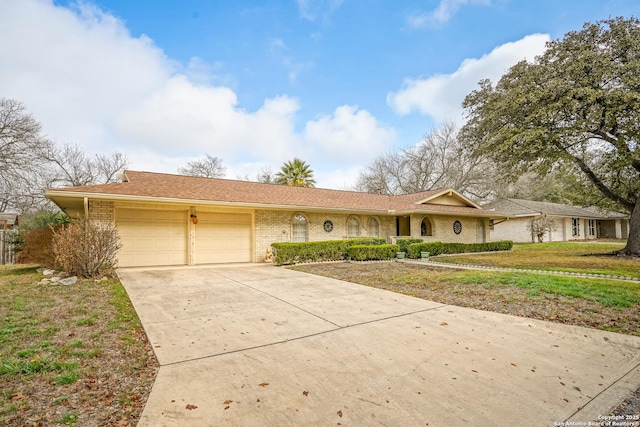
(254,344)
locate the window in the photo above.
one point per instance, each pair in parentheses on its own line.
(592,227)
(425,227)
(374,227)
(299,228)
(353,227)
(575,226)
(491,224)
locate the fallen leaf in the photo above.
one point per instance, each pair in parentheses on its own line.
(226,402)
(606,338)
(18,396)
(226,407)
(444,324)
(577,388)
(305,393)
(513,364)
(473,370)
(191,407)
(566,400)
(561,383)
(339,413)
(263,384)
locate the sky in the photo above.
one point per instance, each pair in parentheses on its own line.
(336,83)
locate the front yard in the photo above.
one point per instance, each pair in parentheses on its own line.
(611,305)
(70,355)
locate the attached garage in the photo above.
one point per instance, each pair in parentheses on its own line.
(155,237)
(152,237)
(222,237)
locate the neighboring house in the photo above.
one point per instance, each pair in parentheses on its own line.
(167,219)
(8,221)
(571,222)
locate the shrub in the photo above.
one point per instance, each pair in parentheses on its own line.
(372,252)
(86,248)
(36,247)
(328,250)
(439,248)
(404,243)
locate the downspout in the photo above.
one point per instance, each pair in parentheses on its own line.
(86,208)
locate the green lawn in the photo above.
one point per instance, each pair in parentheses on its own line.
(591,258)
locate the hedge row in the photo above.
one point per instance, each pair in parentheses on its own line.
(372,252)
(439,248)
(404,243)
(328,250)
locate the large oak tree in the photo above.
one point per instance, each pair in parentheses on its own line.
(576,106)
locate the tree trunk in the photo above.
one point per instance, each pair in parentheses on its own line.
(633,243)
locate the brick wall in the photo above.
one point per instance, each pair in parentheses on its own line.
(101,210)
(442,229)
(275,226)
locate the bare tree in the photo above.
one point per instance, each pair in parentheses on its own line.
(541,225)
(266,176)
(206,167)
(21,143)
(70,166)
(438,161)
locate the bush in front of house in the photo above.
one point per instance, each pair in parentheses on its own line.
(372,252)
(328,250)
(439,248)
(86,248)
(404,243)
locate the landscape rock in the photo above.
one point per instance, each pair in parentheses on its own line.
(48,272)
(68,281)
(54,279)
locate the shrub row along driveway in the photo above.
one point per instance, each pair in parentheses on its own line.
(262,345)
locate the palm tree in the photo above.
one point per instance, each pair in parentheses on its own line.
(296,173)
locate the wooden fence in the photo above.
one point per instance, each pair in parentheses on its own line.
(7,252)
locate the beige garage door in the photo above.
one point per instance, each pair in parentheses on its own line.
(223,237)
(152,237)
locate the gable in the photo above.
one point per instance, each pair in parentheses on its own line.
(448,197)
(446,200)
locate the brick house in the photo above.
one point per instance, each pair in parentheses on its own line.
(571,222)
(166,219)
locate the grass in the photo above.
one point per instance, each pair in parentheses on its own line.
(57,343)
(590,258)
(601,303)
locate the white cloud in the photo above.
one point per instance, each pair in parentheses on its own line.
(440,96)
(185,118)
(75,68)
(443,13)
(311,9)
(349,135)
(89,81)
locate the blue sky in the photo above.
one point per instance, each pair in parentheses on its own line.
(334,82)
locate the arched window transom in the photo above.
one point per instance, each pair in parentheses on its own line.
(299,228)
(353,227)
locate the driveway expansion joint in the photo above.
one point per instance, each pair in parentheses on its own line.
(338,328)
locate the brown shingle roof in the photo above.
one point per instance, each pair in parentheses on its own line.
(178,187)
(520,207)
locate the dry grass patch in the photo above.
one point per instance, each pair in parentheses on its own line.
(592,258)
(603,304)
(70,355)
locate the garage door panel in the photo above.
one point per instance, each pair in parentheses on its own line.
(223,237)
(151,237)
